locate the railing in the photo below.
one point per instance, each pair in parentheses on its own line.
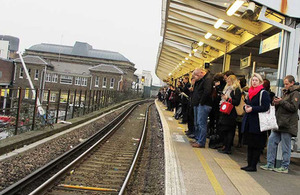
(19,107)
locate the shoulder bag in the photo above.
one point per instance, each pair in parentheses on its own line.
(240,108)
(267,120)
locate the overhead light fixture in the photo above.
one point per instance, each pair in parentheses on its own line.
(208,35)
(183,61)
(200,43)
(218,23)
(186,58)
(234,7)
(170,74)
(195,50)
(190,55)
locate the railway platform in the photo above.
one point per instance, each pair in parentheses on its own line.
(205,171)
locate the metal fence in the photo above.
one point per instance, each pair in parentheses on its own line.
(19,107)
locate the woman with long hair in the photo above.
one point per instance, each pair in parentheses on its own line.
(227,122)
(253,137)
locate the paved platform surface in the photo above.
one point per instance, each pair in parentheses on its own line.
(195,171)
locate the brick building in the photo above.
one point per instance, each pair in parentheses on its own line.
(75,66)
(80,68)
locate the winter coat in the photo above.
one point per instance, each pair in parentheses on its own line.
(287,111)
(203,91)
(229,119)
(185,100)
(250,121)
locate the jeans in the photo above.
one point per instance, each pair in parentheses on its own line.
(273,142)
(200,122)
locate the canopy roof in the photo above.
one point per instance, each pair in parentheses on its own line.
(185,24)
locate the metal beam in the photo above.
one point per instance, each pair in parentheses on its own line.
(179,39)
(253,28)
(212,53)
(212,43)
(187,26)
(187,64)
(178,46)
(183,55)
(206,27)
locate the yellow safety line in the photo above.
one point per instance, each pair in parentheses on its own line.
(87,188)
(212,178)
(183,128)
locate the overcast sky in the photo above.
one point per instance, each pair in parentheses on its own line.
(130,27)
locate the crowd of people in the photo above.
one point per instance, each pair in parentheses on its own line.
(215,106)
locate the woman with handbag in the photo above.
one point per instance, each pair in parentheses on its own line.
(287,119)
(258,100)
(227,121)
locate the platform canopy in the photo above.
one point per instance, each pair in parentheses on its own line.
(196,32)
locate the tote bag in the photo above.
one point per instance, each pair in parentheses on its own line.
(267,120)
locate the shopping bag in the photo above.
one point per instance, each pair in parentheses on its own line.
(267,120)
(226,107)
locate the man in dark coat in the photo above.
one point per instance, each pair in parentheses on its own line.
(202,103)
(185,99)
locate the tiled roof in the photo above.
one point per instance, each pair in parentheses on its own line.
(32,60)
(79,49)
(107,68)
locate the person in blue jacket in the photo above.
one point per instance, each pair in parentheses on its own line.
(253,137)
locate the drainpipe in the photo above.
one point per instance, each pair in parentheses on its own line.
(40,109)
(120,82)
(43,82)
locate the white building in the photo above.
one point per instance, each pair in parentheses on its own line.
(144,80)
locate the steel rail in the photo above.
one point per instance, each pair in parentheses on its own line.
(63,171)
(13,189)
(137,154)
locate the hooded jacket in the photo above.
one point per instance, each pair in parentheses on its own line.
(287,111)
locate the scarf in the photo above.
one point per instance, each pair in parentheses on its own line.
(253,91)
(227,92)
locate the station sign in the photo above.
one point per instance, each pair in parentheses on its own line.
(287,7)
(245,62)
(270,43)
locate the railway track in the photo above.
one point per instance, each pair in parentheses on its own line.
(103,166)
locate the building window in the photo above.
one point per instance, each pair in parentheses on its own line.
(64,79)
(36,75)
(84,81)
(54,78)
(45,96)
(48,77)
(112,83)
(26,96)
(21,73)
(97,82)
(52,97)
(104,83)
(77,80)
(33,95)
(29,72)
